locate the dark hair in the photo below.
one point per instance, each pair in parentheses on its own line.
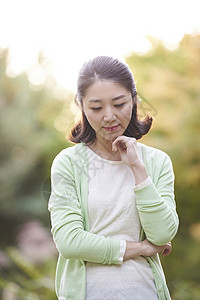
(107,68)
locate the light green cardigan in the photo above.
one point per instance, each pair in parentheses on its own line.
(70,226)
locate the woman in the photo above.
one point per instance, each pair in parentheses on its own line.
(112,202)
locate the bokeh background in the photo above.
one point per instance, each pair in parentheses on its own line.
(42,46)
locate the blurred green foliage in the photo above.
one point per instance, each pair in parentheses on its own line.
(34,122)
(169,80)
(28,142)
(23,280)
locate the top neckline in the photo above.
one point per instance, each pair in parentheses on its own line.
(113,162)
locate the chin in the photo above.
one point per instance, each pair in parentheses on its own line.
(112,137)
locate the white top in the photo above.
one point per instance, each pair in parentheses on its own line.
(112,212)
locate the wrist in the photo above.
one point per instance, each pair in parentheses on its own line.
(139,172)
(133,249)
(142,248)
(137,165)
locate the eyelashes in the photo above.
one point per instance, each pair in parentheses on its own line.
(95,108)
(119,105)
(99,108)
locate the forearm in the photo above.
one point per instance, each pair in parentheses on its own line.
(68,222)
(139,172)
(145,248)
(155,203)
(73,242)
(157,214)
(133,249)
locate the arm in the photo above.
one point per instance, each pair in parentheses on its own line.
(156,206)
(145,248)
(155,202)
(71,240)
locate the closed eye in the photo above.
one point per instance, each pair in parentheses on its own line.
(99,108)
(95,108)
(119,105)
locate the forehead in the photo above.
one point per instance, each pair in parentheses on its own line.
(103,89)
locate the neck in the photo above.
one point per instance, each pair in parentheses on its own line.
(105,146)
(104,149)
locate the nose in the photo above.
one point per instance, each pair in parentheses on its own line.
(109,115)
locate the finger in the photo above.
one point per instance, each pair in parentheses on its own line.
(121,138)
(119,145)
(114,148)
(167,250)
(169,247)
(164,252)
(122,142)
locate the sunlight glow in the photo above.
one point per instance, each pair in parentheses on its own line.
(70,32)
(61,123)
(37,76)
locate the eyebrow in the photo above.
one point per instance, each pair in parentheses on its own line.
(114,99)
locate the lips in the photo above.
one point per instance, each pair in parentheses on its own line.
(112,128)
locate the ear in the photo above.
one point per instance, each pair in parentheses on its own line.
(76,99)
(77,102)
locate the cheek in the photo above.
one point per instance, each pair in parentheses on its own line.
(127,112)
(92,118)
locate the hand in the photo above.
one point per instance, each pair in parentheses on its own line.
(128,149)
(149,249)
(129,155)
(145,248)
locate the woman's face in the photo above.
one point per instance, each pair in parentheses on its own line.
(108,108)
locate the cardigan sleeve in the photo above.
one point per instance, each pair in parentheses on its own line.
(156,204)
(70,237)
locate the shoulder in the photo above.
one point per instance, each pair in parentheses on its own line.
(70,157)
(156,161)
(73,152)
(153,153)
